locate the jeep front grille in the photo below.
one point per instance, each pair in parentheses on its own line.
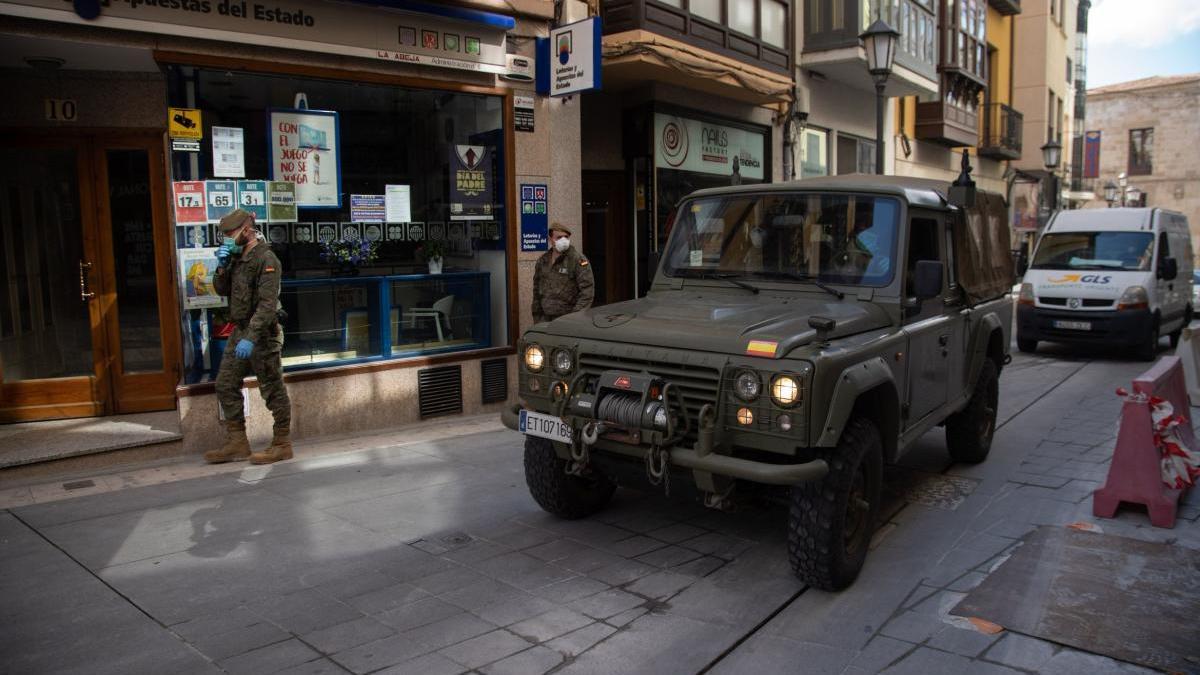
(698,384)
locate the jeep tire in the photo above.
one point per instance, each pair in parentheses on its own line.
(830,521)
(969,431)
(556,492)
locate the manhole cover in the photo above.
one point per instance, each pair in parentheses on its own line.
(454,539)
(929,489)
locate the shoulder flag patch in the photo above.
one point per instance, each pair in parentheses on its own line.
(583,262)
(269,268)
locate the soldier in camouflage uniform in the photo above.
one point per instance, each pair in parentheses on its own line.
(249,274)
(562,279)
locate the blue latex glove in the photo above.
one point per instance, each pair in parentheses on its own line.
(243,349)
(223,254)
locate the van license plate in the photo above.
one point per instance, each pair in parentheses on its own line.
(545,426)
(1073,325)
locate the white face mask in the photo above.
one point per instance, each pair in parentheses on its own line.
(562,244)
(756,238)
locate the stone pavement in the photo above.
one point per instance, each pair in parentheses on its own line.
(430,557)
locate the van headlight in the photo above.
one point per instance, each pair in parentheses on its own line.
(535,358)
(785,390)
(1026,296)
(1134,297)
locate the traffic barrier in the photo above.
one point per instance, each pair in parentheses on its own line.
(1136,473)
(1188,351)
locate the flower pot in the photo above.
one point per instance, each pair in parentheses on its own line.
(435,266)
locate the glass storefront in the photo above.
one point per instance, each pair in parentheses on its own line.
(396,246)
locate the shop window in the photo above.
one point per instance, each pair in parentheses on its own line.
(855,155)
(1141,152)
(814,153)
(408,173)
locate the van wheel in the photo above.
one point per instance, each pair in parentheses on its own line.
(1026,346)
(830,521)
(969,431)
(1148,351)
(569,497)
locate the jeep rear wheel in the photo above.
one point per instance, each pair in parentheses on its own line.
(969,431)
(556,492)
(830,521)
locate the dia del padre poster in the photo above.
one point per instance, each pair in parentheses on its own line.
(306,150)
(196,268)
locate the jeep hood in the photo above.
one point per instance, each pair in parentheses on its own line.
(717,322)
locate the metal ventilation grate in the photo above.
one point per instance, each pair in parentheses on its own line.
(493,380)
(440,391)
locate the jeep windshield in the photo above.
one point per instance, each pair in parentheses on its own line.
(1130,251)
(820,238)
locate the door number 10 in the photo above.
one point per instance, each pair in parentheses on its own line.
(61,110)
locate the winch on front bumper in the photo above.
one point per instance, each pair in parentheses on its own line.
(641,416)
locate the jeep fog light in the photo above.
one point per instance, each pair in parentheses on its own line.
(784,421)
(745,416)
(534,358)
(785,390)
(563,361)
(747,385)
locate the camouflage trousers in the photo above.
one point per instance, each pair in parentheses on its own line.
(263,364)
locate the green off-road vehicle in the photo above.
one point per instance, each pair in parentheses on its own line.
(796,337)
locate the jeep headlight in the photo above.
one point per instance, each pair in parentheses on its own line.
(563,361)
(747,385)
(785,390)
(534,358)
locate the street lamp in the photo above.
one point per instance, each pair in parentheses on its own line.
(1135,196)
(1051,156)
(879,39)
(1122,182)
(1110,193)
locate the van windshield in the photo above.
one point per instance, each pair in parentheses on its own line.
(835,238)
(1095,251)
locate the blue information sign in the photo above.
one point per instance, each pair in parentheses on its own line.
(534,206)
(252,196)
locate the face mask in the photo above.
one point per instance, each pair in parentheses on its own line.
(756,238)
(562,245)
(234,246)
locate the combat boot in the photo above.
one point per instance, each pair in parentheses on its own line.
(280,448)
(236,448)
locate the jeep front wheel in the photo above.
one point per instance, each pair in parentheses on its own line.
(969,431)
(830,521)
(556,492)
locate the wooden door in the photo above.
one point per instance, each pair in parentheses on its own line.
(607,237)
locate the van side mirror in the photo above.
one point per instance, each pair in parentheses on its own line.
(1168,269)
(927,279)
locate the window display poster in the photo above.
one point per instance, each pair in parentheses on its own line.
(189,202)
(229,152)
(399,203)
(196,268)
(367,208)
(281,201)
(252,196)
(470,183)
(534,233)
(305,150)
(221,198)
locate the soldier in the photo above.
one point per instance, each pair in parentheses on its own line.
(249,275)
(562,279)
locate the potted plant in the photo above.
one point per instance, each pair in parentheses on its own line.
(432,252)
(348,255)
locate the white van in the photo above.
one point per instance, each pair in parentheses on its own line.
(1118,277)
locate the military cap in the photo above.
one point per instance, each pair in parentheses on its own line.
(235,219)
(561,228)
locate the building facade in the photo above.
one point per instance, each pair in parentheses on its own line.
(345,126)
(1148,130)
(1081,189)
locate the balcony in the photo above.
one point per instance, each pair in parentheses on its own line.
(947,124)
(1006,7)
(1002,132)
(832,48)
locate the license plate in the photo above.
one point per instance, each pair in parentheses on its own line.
(545,426)
(1073,325)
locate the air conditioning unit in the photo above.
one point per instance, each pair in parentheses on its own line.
(518,68)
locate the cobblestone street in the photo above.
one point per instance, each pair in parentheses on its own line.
(430,557)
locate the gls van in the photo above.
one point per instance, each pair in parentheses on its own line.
(1120,277)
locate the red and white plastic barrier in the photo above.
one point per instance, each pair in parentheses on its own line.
(1154,461)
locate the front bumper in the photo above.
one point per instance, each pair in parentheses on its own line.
(703,459)
(1119,327)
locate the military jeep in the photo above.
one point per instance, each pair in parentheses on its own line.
(795,338)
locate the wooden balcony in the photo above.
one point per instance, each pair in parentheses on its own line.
(1002,130)
(949,125)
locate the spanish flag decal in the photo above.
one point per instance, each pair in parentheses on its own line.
(762,348)
(268,268)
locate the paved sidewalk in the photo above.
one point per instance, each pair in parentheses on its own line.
(428,556)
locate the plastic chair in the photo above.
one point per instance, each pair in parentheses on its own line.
(441,308)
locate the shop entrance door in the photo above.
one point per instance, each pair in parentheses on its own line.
(607,235)
(87,302)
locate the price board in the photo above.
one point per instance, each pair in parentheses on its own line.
(189,202)
(252,196)
(222,198)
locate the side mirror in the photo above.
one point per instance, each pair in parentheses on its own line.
(1168,269)
(927,279)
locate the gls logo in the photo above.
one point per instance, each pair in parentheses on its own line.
(1082,278)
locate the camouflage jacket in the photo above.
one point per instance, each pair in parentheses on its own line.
(562,287)
(251,281)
